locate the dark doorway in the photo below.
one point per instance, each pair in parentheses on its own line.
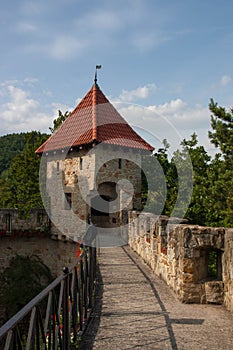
(100,205)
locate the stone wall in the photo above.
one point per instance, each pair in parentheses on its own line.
(54,254)
(12,224)
(227,271)
(196,262)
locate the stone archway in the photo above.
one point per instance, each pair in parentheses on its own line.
(102,213)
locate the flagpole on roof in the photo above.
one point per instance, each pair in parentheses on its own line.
(96,67)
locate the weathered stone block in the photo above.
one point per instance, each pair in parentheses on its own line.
(187,266)
(188,278)
(214,292)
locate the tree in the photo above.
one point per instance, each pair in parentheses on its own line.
(10,146)
(182,179)
(155,168)
(21,181)
(20,282)
(197,211)
(59,120)
(222,134)
(221,174)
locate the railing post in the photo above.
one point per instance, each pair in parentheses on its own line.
(92,263)
(59,312)
(65,312)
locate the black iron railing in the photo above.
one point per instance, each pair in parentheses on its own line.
(57,316)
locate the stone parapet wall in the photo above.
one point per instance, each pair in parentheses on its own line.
(228,269)
(11,223)
(196,262)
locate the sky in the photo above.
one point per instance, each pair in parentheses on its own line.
(161,61)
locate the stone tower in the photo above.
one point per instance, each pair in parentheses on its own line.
(93,168)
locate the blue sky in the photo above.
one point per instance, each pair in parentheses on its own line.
(161,61)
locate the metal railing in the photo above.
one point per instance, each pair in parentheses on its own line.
(57,316)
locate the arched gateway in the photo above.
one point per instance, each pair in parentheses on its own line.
(93,168)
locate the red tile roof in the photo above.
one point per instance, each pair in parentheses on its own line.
(94,120)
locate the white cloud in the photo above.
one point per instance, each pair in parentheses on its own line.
(30,80)
(225,80)
(30,8)
(100,20)
(174,120)
(94,29)
(60,107)
(19,106)
(61,47)
(26,27)
(168,108)
(21,112)
(141,92)
(67,46)
(149,41)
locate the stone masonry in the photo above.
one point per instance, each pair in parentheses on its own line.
(11,223)
(196,262)
(54,254)
(104,178)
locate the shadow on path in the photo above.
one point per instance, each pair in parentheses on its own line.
(124,316)
(90,332)
(165,314)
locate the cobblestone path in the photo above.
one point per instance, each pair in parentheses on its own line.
(136,310)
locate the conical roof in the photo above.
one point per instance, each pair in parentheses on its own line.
(94,120)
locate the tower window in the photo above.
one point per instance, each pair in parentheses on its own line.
(40,218)
(8,223)
(58,167)
(68,201)
(119,163)
(81,164)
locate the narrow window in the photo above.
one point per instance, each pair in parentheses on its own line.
(68,201)
(40,218)
(81,164)
(58,167)
(8,223)
(119,163)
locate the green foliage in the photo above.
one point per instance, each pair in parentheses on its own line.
(170,177)
(193,178)
(200,160)
(222,134)
(154,180)
(10,146)
(19,184)
(221,171)
(59,120)
(20,282)
(212,263)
